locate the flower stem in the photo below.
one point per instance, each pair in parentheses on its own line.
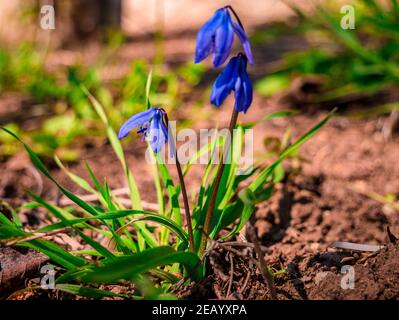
(186,205)
(182,186)
(215,188)
(236,16)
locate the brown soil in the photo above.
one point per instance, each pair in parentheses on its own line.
(313,277)
(18,265)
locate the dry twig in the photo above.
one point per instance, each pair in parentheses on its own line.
(231,275)
(262,263)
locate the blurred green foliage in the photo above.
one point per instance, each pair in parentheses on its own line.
(70,116)
(363,59)
(22,70)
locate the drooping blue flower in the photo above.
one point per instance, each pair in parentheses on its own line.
(235,78)
(152,123)
(216,36)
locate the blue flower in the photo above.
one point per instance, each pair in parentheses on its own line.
(152,124)
(234,77)
(217,35)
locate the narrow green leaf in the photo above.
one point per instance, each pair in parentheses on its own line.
(7,232)
(147,90)
(280,114)
(75,178)
(143,235)
(128,267)
(5,221)
(55,253)
(144,215)
(261,179)
(244,217)
(95,245)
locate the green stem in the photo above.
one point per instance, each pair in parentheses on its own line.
(182,186)
(215,188)
(186,205)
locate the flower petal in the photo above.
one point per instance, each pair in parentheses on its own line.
(224,83)
(169,136)
(135,121)
(244,40)
(157,135)
(243,91)
(224,37)
(206,35)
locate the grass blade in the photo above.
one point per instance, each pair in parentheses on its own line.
(261,179)
(143,235)
(129,267)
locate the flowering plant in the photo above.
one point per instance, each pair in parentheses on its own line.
(139,244)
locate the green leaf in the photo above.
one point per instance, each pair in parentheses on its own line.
(57,212)
(143,235)
(66,219)
(262,178)
(230,176)
(96,246)
(147,90)
(229,214)
(5,221)
(104,191)
(15,221)
(244,217)
(166,222)
(144,216)
(280,114)
(203,151)
(250,196)
(55,253)
(158,186)
(7,232)
(75,178)
(129,267)
(351,41)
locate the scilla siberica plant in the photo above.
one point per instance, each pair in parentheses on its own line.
(216,37)
(134,248)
